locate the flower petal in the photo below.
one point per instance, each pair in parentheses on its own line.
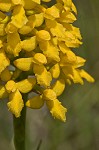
(85,75)
(52,12)
(5,75)
(72,74)
(26,85)
(10,86)
(49,94)
(55,71)
(13,47)
(36,20)
(68,58)
(4,61)
(39,58)
(19,18)
(5,5)
(24,64)
(29,44)
(43,76)
(56,109)
(15,103)
(35,103)
(43,35)
(58,87)
(50,51)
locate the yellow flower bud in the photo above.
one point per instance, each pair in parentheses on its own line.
(26,85)
(24,64)
(39,59)
(63,47)
(19,18)
(55,71)
(68,58)
(36,20)
(52,12)
(5,6)
(25,29)
(13,47)
(43,35)
(79,62)
(73,74)
(5,75)
(50,51)
(10,86)
(86,76)
(35,103)
(57,110)
(58,87)
(43,76)
(49,94)
(10,28)
(15,103)
(29,44)
(67,17)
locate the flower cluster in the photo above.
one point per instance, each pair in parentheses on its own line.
(36,53)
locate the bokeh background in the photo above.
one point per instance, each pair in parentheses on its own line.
(81,131)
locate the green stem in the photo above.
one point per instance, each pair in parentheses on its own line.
(19,128)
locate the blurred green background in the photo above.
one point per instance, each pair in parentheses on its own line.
(81,131)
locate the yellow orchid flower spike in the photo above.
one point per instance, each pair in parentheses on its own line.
(36,42)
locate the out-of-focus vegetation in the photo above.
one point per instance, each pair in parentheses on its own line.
(81,131)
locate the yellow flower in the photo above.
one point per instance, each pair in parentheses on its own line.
(55,70)
(19,18)
(24,64)
(5,75)
(26,85)
(5,5)
(43,76)
(49,94)
(36,54)
(29,44)
(43,35)
(50,51)
(35,103)
(56,109)
(15,103)
(39,58)
(59,86)
(13,47)
(10,86)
